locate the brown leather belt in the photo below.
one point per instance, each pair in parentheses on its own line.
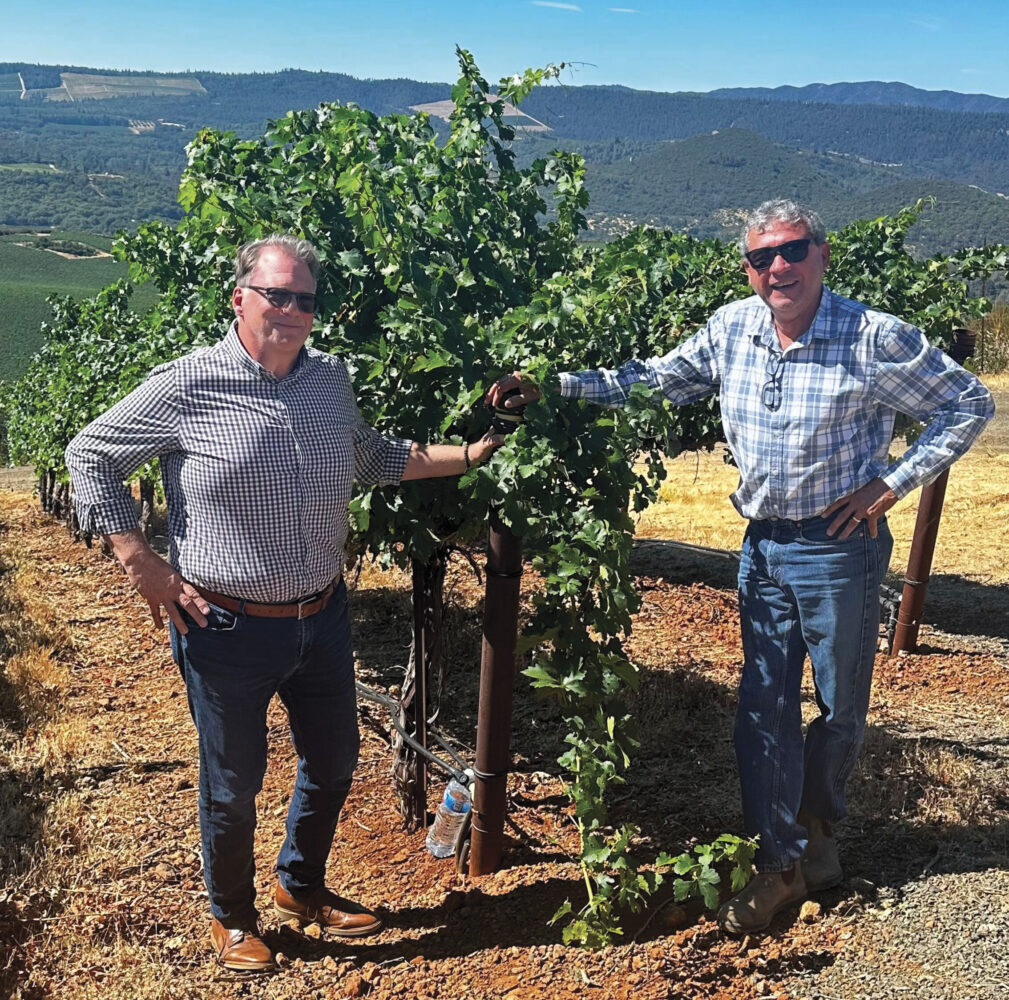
(293,609)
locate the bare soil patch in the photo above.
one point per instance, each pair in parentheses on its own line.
(106,899)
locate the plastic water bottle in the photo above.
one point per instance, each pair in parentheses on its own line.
(449,817)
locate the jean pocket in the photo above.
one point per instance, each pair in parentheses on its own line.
(816,532)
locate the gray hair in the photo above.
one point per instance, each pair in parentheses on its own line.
(248,255)
(785,210)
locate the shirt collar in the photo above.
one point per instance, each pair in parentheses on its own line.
(234,347)
(823,326)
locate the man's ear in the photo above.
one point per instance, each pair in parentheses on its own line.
(236,300)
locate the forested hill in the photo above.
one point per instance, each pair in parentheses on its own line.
(869,92)
(70,160)
(703,183)
(970,147)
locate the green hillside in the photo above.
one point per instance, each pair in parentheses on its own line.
(703,185)
(29,274)
(703,182)
(962,215)
(965,146)
(118,159)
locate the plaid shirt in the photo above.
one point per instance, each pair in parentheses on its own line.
(814,423)
(257,470)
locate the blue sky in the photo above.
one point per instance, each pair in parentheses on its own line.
(647,45)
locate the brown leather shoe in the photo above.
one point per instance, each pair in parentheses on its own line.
(821,866)
(240,949)
(765,894)
(331,912)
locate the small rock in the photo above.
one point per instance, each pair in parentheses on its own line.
(313,931)
(280,959)
(355,986)
(810,911)
(329,963)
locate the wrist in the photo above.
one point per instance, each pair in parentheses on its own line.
(131,549)
(465,456)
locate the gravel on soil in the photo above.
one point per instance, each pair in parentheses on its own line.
(935,719)
(945,937)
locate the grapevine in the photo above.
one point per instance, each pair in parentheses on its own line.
(446,266)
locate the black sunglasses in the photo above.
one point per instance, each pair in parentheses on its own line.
(763,257)
(281,298)
(770,394)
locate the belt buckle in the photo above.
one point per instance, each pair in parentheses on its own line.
(301,607)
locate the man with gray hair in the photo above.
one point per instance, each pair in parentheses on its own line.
(809,384)
(260,440)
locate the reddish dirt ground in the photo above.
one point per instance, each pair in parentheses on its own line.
(446,935)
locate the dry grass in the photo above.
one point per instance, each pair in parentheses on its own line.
(992,349)
(922,783)
(43,827)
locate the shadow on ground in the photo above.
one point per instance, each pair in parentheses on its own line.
(961,606)
(954,604)
(23,799)
(918,803)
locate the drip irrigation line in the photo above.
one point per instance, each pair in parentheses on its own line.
(394,708)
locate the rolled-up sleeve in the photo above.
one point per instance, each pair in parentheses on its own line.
(112,447)
(378,459)
(915,378)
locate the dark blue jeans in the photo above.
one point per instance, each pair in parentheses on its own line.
(802,591)
(232,669)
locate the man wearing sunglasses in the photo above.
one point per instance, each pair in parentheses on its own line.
(260,440)
(809,384)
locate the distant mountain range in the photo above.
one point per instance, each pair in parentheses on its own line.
(686,160)
(870,92)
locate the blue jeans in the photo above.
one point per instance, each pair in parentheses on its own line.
(232,669)
(802,591)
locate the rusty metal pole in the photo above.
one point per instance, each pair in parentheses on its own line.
(919,565)
(497,677)
(420,650)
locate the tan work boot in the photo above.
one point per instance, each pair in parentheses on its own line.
(765,895)
(240,949)
(821,866)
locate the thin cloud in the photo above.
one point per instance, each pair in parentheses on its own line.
(929,23)
(559,6)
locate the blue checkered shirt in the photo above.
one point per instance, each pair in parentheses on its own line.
(836,393)
(257,470)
